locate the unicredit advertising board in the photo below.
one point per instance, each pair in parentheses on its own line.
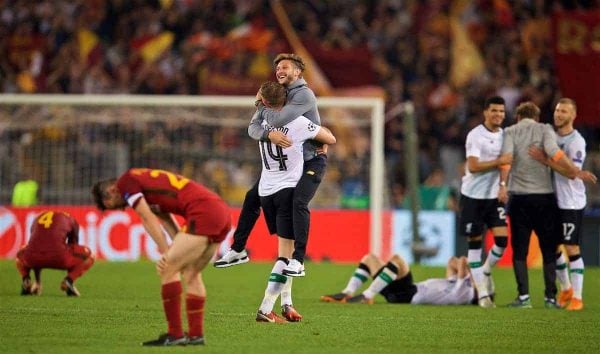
(335,235)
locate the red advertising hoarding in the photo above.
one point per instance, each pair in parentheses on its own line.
(341,236)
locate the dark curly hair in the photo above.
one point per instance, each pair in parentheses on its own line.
(493,100)
(99,192)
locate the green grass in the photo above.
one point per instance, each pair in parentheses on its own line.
(120,307)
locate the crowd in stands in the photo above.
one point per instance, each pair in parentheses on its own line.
(226,47)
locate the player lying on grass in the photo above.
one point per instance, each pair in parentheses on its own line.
(53,244)
(155,195)
(395,282)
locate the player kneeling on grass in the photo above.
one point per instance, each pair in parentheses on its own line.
(282,169)
(155,195)
(47,249)
(394,281)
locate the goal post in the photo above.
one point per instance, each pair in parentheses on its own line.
(376,170)
(69,141)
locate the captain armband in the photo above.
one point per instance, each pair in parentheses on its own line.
(559,154)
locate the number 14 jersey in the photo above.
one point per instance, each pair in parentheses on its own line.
(282,168)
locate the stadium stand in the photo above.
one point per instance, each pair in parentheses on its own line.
(226,47)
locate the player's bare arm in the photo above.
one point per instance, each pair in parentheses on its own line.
(563,163)
(325,136)
(474,165)
(279,139)
(503,190)
(564,168)
(169,223)
(151,224)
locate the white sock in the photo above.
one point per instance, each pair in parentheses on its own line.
(577,268)
(286,292)
(493,257)
(359,277)
(385,277)
(562,272)
(474,259)
(274,286)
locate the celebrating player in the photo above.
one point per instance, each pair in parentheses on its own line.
(300,101)
(155,195)
(532,203)
(47,249)
(479,204)
(282,169)
(395,282)
(571,198)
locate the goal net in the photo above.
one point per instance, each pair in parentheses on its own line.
(68,142)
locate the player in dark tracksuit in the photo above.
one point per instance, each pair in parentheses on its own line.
(300,101)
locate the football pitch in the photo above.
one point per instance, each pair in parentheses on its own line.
(120,307)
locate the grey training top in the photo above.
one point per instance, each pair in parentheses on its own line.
(527,176)
(301,101)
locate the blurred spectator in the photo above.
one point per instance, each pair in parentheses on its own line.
(434,193)
(25,193)
(226,47)
(354,187)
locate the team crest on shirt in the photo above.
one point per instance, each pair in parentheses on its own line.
(578,156)
(311,127)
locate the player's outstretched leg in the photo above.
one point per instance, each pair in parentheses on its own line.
(339,297)
(359,277)
(359,299)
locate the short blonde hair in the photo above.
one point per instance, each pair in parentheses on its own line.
(570,101)
(274,93)
(528,110)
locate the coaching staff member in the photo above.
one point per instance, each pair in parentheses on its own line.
(531,200)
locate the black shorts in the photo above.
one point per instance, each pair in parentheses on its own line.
(399,291)
(277,209)
(570,226)
(475,213)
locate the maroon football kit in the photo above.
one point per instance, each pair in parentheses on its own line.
(204,211)
(53,244)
